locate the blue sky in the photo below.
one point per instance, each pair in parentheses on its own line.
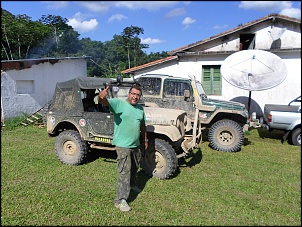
(167,25)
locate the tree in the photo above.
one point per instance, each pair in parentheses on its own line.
(64,40)
(20,34)
(130,40)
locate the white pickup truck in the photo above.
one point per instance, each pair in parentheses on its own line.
(286,118)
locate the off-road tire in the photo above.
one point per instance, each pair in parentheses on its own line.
(226,135)
(296,137)
(70,148)
(160,162)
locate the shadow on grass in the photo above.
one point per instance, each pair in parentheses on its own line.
(274,134)
(192,160)
(188,162)
(141,181)
(142,177)
(94,154)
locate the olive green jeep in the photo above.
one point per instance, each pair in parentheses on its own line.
(80,124)
(225,121)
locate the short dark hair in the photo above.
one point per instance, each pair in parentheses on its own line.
(137,87)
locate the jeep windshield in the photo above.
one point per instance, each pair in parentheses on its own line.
(200,90)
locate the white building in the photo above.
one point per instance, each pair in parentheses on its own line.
(277,34)
(28,85)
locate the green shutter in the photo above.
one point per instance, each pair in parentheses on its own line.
(216,81)
(211,80)
(206,80)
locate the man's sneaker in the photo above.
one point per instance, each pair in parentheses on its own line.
(136,189)
(123,205)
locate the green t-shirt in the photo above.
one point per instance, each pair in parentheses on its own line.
(127,121)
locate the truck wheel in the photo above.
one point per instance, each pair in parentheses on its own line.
(70,148)
(296,137)
(226,135)
(160,160)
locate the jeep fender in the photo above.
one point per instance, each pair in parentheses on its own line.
(53,128)
(168,130)
(239,116)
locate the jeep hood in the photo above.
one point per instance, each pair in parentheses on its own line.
(162,116)
(222,104)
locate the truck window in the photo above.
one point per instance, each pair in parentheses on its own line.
(175,88)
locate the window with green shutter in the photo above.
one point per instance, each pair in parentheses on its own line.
(211,79)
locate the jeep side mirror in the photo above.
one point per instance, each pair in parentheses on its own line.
(187,95)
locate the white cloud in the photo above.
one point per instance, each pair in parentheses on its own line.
(118,17)
(96,6)
(151,41)
(265,5)
(148,5)
(187,21)
(104,6)
(220,27)
(79,16)
(176,12)
(293,12)
(54,5)
(79,24)
(281,7)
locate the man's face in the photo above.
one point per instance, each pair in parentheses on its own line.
(134,96)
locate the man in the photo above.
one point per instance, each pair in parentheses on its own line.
(129,127)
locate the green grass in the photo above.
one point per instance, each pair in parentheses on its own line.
(260,185)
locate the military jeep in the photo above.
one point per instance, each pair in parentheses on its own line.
(225,121)
(80,124)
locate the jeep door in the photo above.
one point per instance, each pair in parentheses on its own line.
(101,123)
(174,96)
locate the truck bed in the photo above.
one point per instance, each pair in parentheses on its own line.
(282,108)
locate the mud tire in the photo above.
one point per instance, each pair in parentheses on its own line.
(160,162)
(70,148)
(226,135)
(296,137)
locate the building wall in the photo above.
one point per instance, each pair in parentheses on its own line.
(28,90)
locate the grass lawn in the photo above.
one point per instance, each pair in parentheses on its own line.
(260,185)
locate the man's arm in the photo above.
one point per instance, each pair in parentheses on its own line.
(102,98)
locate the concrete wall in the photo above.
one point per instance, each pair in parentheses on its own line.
(28,90)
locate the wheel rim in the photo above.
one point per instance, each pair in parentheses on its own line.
(225,137)
(159,160)
(155,162)
(69,148)
(299,139)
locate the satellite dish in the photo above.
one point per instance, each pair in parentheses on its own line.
(254,70)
